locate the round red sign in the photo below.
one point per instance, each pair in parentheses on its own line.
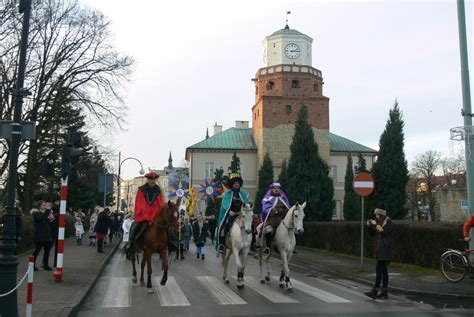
(363,184)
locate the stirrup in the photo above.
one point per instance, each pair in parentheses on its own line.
(221,248)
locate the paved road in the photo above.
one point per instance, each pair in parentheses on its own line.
(195,288)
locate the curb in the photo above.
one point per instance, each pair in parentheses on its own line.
(397,290)
(73,311)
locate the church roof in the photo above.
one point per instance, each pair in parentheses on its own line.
(230,139)
(338,143)
(287,31)
(242,139)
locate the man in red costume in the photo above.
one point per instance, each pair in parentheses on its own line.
(148,202)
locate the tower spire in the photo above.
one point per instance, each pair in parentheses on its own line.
(170,162)
(207,133)
(287,13)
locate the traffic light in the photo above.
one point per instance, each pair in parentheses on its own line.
(71,151)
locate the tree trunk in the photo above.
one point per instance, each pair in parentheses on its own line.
(31,176)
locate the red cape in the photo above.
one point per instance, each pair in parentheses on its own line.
(145,211)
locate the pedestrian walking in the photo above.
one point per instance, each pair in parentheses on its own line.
(127,224)
(188,234)
(79,218)
(181,237)
(382,229)
(41,219)
(200,231)
(18,224)
(101,228)
(92,222)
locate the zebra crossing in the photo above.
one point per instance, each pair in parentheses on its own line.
(118,292)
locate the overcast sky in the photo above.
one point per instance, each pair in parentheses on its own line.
(195,59)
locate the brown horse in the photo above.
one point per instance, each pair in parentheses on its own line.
(156,240)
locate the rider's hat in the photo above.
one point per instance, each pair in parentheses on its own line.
(151,175)
(275,185)
(235,177)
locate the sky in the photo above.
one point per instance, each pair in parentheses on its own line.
(195,61)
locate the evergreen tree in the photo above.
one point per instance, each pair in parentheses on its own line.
(351,208)
(282,178)
(307,174)
(235,164)
(390,172)
(265,178)
(361,164)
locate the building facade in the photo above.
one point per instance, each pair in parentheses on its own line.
(287,82)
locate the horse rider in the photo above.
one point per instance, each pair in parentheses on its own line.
(275,206)
(231,205)
(148,202)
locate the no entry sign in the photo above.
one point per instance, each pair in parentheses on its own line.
(363,184)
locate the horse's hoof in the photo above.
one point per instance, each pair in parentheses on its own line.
(163,282)
(262,281)
(282,285)
(240,286)
(142,284)
(134,280)
(267,278)
(226,282)
(289,290)
(150,290)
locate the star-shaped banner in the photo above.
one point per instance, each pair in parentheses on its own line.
(211,190)
(180,190)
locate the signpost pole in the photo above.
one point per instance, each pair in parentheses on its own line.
(362,234)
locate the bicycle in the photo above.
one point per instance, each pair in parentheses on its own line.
(455,264)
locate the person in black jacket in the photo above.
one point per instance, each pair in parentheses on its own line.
(382,230)
(101,228)
(54,224)
(200,232)
(42,218)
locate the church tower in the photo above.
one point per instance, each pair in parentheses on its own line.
(286,83)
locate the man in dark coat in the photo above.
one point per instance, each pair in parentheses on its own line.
(54,224)
(382,229)
(200,232)
(42,218)
(101,228)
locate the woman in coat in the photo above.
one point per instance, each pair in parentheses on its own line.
(92,222)
(382,230)
(101,228)
(200,232)
(43,240)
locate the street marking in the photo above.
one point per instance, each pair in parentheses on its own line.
(221,293)
(267,292)
(316,292)
(170,294)
(118,293)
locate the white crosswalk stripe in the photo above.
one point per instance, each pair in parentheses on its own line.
(267,292)
(220,292)
(316,292)
(118,293)
(170,294)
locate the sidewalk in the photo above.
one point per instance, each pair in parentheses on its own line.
(403,278)
(82,266)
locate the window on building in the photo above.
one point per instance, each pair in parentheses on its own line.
(333,172)
(295,83)
(315,87)
(270,85)
(209,170)
(288,109)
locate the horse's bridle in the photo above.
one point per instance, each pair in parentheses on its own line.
(293,218)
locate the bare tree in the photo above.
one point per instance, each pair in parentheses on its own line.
(424,167)
(72,67)
(454,167)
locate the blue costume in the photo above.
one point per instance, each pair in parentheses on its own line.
(232,200)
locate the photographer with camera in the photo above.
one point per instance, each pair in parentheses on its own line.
(381,228)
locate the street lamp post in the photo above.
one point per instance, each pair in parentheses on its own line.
(8,259)
(142,171)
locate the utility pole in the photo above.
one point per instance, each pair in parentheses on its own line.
(8,259)
(467,114)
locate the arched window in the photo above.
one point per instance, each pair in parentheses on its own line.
(288,109)
(270,85)
(295,83)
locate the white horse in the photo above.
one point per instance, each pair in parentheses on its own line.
(238,243)
(284,241)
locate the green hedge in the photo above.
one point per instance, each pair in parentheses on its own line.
(418,243)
